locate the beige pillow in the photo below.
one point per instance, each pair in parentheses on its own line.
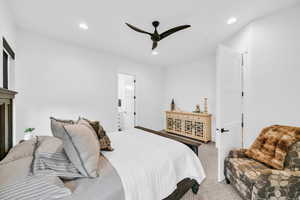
(18,162)
(82,147)
(48,144)
(24,149)
(105,143)
(15,170)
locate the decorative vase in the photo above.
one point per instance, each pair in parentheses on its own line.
(172,105)
(28,136)
(205,106)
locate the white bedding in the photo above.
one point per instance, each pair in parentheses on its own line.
(150,166)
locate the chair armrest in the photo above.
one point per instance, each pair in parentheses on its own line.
(287,173)
(282,184)
(237,153)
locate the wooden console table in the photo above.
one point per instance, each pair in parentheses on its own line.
(196,126)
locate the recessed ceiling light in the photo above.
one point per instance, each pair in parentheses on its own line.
(231,20)
(83,26)
(154,52)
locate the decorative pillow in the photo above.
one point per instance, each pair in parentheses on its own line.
(104,140)
(51,160)
(292,161)
(18,162)
(57,127)
(82,148)
(15,170)
(22,150)
(33,188)
(272,145)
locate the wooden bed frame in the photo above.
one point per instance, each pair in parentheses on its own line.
(193,144)
(182,188)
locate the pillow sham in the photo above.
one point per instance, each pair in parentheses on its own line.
(34,188)
(105,143)
(82,148)
(51,160)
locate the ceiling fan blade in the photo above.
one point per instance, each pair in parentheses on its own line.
(137,29)
(154,45)
(173,30)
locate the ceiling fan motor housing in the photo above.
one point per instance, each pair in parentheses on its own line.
(155,24)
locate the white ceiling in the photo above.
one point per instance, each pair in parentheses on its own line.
(107,31)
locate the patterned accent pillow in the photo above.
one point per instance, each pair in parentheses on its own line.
(105,143)
(272,145)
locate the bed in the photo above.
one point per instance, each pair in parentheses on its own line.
(149,167)
(142,166)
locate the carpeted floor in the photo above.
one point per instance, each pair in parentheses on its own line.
(210,189)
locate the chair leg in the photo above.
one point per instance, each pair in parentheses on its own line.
(227,181)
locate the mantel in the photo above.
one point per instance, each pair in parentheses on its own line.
(7,94)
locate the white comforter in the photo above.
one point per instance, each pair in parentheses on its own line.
(149,165)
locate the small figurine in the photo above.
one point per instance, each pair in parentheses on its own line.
(197,109)
(172,105)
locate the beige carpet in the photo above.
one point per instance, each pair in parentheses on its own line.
(210,189)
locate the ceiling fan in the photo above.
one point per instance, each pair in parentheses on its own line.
(156,37)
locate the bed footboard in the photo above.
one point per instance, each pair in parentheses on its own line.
(183,187)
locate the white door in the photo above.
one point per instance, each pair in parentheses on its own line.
(229,104)
(127,101)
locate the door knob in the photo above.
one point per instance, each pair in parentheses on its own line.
(224,130)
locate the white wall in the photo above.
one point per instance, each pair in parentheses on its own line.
(188,84)
(57,79)
(272,71)
(7,30)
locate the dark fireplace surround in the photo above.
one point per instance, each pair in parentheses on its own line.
(6,121)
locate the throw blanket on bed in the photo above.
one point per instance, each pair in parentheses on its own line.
(150,166)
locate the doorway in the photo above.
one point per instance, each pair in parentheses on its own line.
(126,102)
(230,96)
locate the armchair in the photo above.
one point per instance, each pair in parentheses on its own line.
(256,181)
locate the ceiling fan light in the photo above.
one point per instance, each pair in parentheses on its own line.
(83,26)
(231,20)
(154,53)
